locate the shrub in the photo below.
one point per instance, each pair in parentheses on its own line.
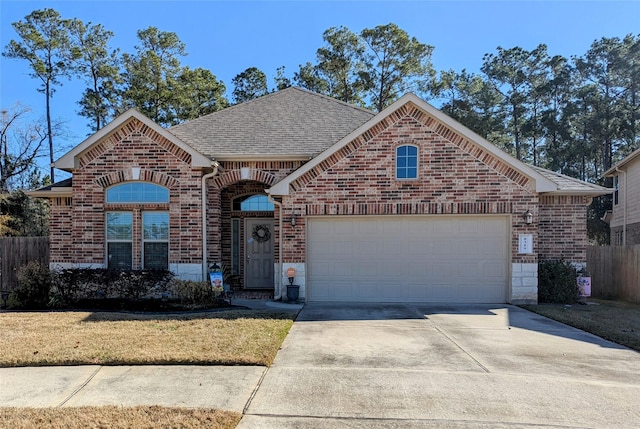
(135,284)
(557,283)
(194,293)
(34,283)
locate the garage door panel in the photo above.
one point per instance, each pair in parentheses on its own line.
(384,258)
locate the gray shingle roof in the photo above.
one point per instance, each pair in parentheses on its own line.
(570,185)
(291,122)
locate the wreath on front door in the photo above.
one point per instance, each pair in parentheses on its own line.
(261,233)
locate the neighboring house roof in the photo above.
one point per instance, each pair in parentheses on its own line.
(69,161)
(289,124)
(542,183)
(570,186)
(631,157)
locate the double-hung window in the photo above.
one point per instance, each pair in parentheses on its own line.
(406,162)
(155,238)
(119,240)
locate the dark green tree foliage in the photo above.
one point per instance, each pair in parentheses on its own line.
(472,101)
(99,66)
(557,118)
(21,215)
(394,63)
(45,44)
(200,93)
(250,84)
(517,74)
(609,96)
(340,64)
(282,81)
(152,74)
(308,77)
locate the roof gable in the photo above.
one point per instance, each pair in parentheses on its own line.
(128,121)
(289,124)
(631,158)
(439,123)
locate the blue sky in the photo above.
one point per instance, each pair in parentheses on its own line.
(228,37)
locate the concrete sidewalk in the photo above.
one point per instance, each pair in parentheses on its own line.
(224,387)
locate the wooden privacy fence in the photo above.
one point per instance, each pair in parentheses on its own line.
(18,251)
(615,272)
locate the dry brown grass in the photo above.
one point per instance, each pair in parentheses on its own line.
(615,321)
(117,418)
(74,338)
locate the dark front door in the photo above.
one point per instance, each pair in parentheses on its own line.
(258,269)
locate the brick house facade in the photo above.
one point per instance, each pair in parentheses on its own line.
(325,196)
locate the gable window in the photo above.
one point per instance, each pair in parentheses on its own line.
(119,240)
(406,162)
(616,185)
(137,192)
(253,203)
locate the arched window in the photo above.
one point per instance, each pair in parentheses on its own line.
(253,203)
(137,192)
(152,227)
(407,162)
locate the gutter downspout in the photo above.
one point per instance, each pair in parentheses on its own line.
(624,207)
(278,295)
(205,268)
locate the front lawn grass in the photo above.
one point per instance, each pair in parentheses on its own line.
(236,337)
(616,321)
(117,418)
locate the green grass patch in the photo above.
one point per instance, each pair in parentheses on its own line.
(615,321)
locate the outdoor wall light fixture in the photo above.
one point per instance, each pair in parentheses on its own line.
(293,219)
(527,217)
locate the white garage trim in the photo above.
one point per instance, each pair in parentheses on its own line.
(437,258)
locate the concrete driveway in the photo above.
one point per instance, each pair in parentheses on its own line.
(426,366)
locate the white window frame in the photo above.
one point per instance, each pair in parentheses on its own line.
(149,240)
(407,145)
(117,240)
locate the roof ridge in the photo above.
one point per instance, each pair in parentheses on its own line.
(332,99)
(269,95)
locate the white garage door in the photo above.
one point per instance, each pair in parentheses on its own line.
(407,258)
